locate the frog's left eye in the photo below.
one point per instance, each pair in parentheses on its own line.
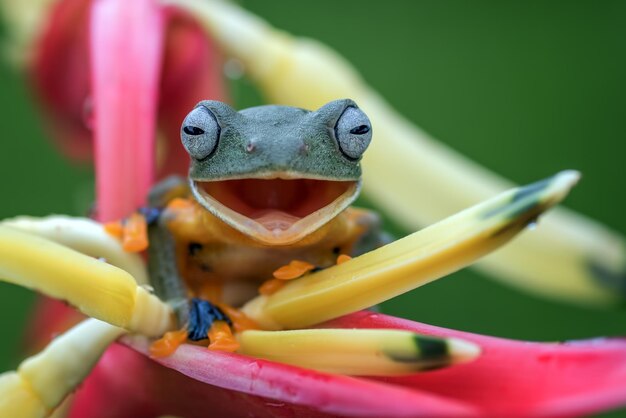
(200,133)
(353,132)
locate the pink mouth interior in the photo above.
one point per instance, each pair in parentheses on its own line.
(275,203)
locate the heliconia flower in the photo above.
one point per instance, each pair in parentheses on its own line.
(304,73)
(511,378)
(129,72)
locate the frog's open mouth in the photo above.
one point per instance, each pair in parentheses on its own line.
(276,211)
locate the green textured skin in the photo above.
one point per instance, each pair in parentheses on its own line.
(269,139)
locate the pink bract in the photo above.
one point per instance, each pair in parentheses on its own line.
(123,74)
(511,378)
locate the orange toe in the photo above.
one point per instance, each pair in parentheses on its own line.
(135,233)
(293,270)
(222,338)
(343,258)
(269,287)
(167,345)
(115,229)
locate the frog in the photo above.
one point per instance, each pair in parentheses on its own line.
(269,188)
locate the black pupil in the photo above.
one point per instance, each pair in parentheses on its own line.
(360,130)
(192,130)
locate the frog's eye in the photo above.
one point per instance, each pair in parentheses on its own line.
(200,133)
(353,132)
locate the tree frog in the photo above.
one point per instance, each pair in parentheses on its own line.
(268,187)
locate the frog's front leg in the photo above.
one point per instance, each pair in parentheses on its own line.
(369,234)
(198,319)
(165,277)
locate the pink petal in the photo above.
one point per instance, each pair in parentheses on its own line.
(126,54)
(516,378)
(190,69)
(191,72)
(49,318)
(127,383)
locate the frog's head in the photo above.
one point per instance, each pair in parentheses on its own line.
(276,173)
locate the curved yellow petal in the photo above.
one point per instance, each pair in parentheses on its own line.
(94,287)
(364,352)
(42,382)
(410,262)
(85,236)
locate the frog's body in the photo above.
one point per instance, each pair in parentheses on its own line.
(211,252)
(267,185)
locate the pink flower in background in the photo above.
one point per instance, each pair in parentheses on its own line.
(113,76)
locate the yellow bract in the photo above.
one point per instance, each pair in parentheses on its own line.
(365,352)
(94,287)
(411,262)
(43,381)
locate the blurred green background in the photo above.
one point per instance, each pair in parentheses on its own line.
(524,88)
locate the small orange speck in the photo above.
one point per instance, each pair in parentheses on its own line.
(269,287)
(343,258)
(114,229)
(135,234)
(167,345)
(222,338)
(179,203)
(241,322)
(293,270)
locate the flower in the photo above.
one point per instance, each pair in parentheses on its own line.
(512,378)
(558,371)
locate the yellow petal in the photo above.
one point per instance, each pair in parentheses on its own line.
(94,287)
(409,262)
(365,352)
(44,380)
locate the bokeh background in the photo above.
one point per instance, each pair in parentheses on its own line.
(524,88)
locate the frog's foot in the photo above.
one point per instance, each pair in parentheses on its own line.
(343,258)
(206,320)
(202,315)
(240,321)
(167,345)
(133,231)
(293,270)
(222,338)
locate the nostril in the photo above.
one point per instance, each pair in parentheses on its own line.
(250,147)
(304,149)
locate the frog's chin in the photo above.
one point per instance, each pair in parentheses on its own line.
(276,211)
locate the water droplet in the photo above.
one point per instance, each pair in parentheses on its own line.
(532,226)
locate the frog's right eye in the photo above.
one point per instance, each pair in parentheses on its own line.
(200,133)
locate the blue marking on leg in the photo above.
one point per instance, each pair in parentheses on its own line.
(202,314)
